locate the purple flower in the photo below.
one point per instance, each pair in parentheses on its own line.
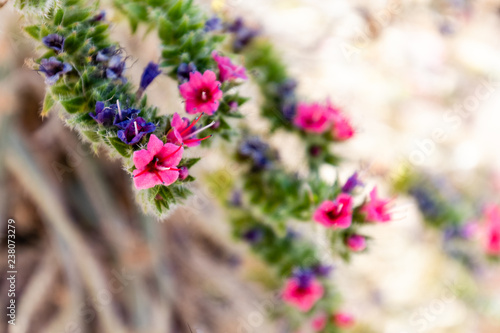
(289,110)
(253,236)
(236,198)
(99,17)
(105,54)
(54,42)
(213,24)
(104,115)
(286,90)
(115,68)
(135,130)
(322,270)
(184,70)
(304,277)
(53,69)
(243,35)
(351,183)
(258,152)
(124,117)
(150,73)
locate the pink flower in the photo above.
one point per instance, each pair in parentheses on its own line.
(227,70)
(314,118)
(492,230)
(376,209)
(302,295)
(356,243)
(156,164)
(336,213)
(343,320)
(342,129)
(319,323)
(184,133)
(202,93)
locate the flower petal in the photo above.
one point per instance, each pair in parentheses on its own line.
(146,180)
(170,155)
(169,176)
(142,158)
(155,145)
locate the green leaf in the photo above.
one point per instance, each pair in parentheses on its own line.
(72,43)
(74,105)
(176,11)
(48,103)
(189,162)
(180,191)
(72,17)
(33,31)
(137,11)
(92,136)
(165,30)
(58,17)
(121,147)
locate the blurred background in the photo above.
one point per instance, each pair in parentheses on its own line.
(420,79)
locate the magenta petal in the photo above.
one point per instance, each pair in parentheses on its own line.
(195,80)
(172,160)
(187,90)
(145,180)
(154,144)
(169,176)
(142,158)
(173,136)
(209,76)
(192,106)
(176,121)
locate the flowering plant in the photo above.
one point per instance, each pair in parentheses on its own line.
(85,73)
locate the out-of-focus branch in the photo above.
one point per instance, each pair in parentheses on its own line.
(24,168)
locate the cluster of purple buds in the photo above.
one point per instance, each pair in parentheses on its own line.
(426,203)
(213,24)
(242,34)
(258,152)
(113,62)
(287,99)
(184,70)
(132,128)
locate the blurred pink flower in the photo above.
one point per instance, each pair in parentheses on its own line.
(183,132)
(343,319)
(202,93)
(492,230)
(319,322)
(336,213)
(356,243)
(376,209)
(314,118)
(156,164)
(342,128)
(227,70)
(302,296)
